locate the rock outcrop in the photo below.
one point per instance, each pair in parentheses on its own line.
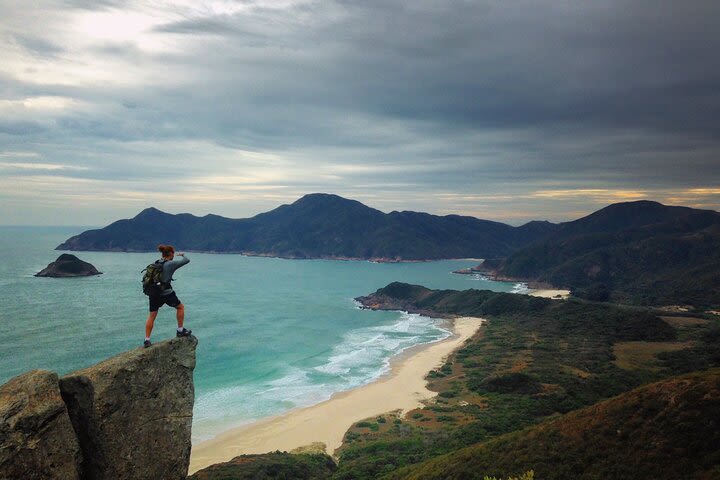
(128,417)
(68,265)
(133,412)
(37,440)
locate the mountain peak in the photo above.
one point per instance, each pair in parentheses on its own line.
(329,204)
(321,198)
(150,212)
(623,215)
(637,205)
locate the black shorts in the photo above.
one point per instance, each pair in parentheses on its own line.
(170,300)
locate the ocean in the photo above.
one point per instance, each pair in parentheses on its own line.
(274,334)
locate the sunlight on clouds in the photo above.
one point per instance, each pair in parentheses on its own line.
(113,25)
(465,197)
(19,154)
(237,180)
(39,166)
(48,103)
(227,7)
(39,104)
(702,191)
(350,168)
(592,193)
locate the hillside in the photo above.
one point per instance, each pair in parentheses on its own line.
(638,252)
(534,359)
(667,430)
(273,465)
(316,226)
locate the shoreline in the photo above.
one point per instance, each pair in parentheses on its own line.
(244,253)
(403,388)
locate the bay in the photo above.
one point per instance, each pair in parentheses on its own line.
(274,334)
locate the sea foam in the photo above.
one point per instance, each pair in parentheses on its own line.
(521,288)
(362,356)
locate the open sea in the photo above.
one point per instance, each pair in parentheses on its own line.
(274,334)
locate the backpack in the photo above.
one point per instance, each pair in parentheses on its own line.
(152,279)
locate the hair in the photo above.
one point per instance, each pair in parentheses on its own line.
(166,250)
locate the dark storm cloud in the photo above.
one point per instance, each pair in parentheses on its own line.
(468,95)
(479,65)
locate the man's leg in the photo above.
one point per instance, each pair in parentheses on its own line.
(180,313)
(150,323)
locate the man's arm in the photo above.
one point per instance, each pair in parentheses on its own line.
(174,264)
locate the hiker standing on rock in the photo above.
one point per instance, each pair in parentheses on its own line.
(156,285)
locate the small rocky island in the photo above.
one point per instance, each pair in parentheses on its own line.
(68,265)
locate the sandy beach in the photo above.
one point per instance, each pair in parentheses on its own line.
(549,293)
(403,388)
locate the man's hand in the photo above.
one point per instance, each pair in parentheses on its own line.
(180,254)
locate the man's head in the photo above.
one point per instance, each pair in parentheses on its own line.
(167,251)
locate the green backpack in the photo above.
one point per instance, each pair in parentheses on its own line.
(152,279)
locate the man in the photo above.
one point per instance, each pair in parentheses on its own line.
(167,295)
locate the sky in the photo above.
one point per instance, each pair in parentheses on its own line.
(504,110)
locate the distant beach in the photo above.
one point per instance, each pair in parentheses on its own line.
(550,293)
(403,388)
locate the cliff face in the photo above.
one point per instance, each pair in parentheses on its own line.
(37,440)
(128,417)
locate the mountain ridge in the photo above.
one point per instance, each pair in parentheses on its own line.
(321,225)
(648,254)
(316,226)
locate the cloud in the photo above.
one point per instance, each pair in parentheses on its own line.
(37,166)
(516,107)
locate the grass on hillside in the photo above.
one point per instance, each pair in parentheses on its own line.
(535,360)
(666,430)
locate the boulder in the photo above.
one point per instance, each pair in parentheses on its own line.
(37,440)
(133,412)
(68,265)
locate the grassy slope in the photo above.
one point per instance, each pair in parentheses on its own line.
(534,360)
(667,430)
(276,465)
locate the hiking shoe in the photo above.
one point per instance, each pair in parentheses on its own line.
(184,333)
(146,343)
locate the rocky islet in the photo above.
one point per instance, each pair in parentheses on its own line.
(68,265)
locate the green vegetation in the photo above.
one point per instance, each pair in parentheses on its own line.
(667,430)
(276,465)
(535,360)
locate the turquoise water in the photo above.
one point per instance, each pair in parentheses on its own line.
(274,334)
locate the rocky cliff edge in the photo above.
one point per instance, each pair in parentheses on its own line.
(128,417)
